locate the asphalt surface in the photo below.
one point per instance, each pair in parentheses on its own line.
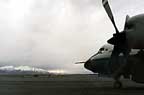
(65,85)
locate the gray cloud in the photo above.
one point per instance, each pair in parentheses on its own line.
(67,34)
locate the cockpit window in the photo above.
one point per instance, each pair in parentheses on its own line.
(101,49)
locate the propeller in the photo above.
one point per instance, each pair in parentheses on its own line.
(109,12)
(119,38)
(126,21)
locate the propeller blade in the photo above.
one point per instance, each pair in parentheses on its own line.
(109,12)
(80,62)
(118,66)
(114,59)
(125,26)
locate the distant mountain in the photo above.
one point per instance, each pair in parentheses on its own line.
(22,70)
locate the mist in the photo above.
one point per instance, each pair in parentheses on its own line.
(54,34)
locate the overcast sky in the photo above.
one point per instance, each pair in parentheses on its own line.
(54,34)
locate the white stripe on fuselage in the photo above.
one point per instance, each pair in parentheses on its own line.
(107,54)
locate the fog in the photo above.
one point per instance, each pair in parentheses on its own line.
(54,34)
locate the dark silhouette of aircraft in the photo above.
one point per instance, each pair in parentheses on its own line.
(124,55)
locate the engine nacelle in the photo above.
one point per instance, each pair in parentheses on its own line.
(135,32)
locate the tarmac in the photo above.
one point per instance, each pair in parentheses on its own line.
(65,85)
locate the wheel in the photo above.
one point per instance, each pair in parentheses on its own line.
(117,84)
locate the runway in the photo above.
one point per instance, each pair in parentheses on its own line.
(65,85)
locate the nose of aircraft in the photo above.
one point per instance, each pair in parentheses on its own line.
(97,67)
(88,65)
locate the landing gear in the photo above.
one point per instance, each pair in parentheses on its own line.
(117,84)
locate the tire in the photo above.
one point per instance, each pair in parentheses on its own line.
(117,84)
